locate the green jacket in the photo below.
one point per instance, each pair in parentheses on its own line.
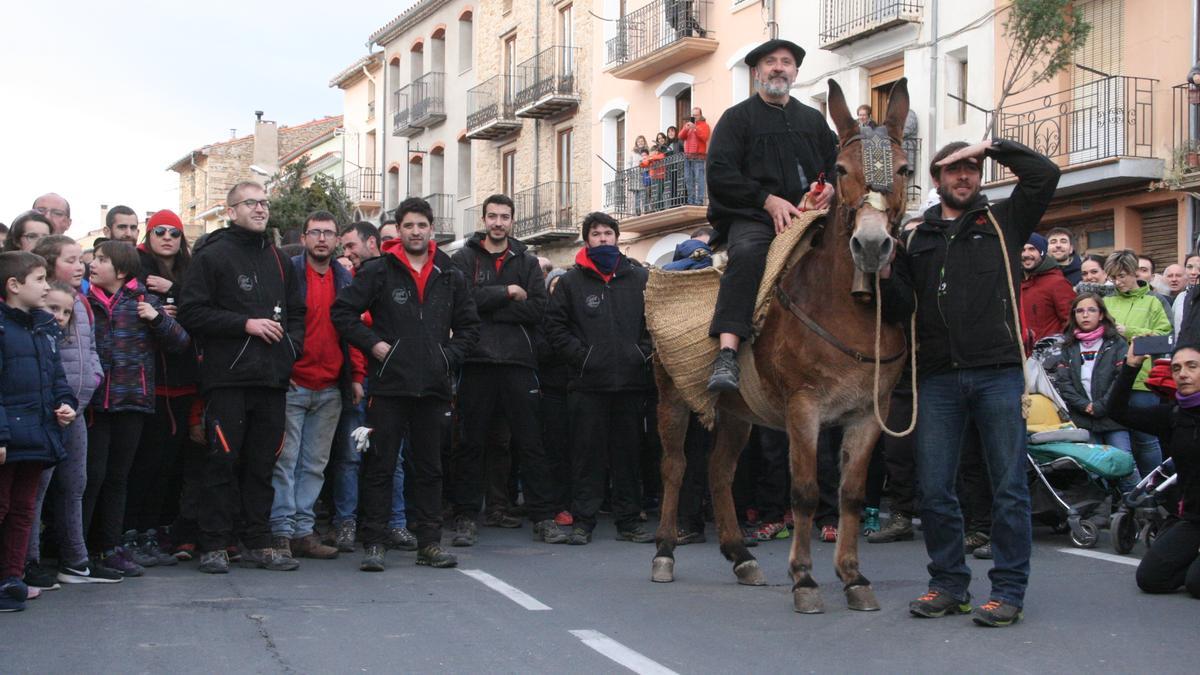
(1141,314)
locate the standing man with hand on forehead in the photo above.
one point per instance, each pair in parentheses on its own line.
(242,305)
(766,152)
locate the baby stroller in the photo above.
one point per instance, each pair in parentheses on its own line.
(1143,511)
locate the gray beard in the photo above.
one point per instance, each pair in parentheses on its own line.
(771,90)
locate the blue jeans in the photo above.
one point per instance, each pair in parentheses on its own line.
(693,177)
(1147,453)
(1119,439)
(991,397)
(312,418)
(345,476)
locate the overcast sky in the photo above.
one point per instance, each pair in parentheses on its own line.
(97,97)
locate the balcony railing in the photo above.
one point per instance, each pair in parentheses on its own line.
(1108,118)
(546,213)
(844,21)
(918,183)
(1185,128)
(547,84)
(443,216)
(370,110)
(428,99)
(490,111)
(402,118)
(363,185)
(638,191)
(670,31)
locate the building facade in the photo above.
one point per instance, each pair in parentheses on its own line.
(362,88)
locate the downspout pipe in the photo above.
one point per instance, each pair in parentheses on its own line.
(933,77)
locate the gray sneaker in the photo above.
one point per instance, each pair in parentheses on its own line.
(148,543)
(132,544)
(268,559)
(549,532)
(974,540)
(283,549)
(372,559)
(726,372)
(214,562)
(899,528)
(465,532)
(401,539)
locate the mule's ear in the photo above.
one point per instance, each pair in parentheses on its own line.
(897,111)
(846,124)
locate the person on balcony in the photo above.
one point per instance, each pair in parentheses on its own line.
(639,182)
(750,199)
(695,134)
(655,164)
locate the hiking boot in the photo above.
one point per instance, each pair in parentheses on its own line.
(637,534)
(549,532)
(214,562)
(579,536)
(118,560)
(974,540)
(870,521)
(936,604)
(344,540)
(898,528)
(769,531)
(465,532)
(269,558)
(310,546)
(501,519)
(372,558)
(37,576)
(401,539)
(685,537)
(148,544)
(564,518)
(434,555)
(86,573)
(829,534)
(997,613)
(983,552)
(132,544)
(725,372)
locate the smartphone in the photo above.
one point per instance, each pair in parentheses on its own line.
(1148,345)
(692,120)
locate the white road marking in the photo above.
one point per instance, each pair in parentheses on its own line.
(507,590)
(615,651)
(1101,556)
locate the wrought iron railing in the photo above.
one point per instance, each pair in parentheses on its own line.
(1108,117)
(1185,129)
(547,211)
(660,185)
(553,71)
(428,97)
(400,118)
(489,101)
(918,182)
(363,185)
(657,25)
(443,214)
(842,20)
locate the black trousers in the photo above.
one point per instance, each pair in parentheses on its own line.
(155,478)
(829,476)
(1172,561)
(762,479)
(244,427)
(696,447)
(748,243)
(899,455)
(392,418)
(112,444)
(556,441)
(513,390)
(606,441)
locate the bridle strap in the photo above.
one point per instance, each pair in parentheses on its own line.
(790,304)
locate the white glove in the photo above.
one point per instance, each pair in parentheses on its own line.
(362,438)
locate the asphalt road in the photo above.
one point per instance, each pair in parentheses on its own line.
(593,610)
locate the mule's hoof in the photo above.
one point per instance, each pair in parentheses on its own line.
(749,573)
(861,598)
(807,601)
(662,570)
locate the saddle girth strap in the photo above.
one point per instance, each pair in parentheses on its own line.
(825,335)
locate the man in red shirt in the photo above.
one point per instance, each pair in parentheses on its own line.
(695,134)
(319,380)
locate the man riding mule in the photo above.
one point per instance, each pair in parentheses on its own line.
(824,356)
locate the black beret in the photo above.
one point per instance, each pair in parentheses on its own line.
(769,46)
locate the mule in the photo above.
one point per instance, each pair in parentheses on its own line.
(820,371)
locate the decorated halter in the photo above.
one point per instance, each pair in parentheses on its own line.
(876,164)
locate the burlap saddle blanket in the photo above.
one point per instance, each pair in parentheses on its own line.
(679,309)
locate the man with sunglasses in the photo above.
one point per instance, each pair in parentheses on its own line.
(56,209)
(241,302)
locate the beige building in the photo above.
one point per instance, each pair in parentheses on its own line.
(529,114)
(360,136)
(207,173)
(428,65)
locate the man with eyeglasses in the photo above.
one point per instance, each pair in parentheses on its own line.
(241,302)
(56,209)
(121,224)
(321,380)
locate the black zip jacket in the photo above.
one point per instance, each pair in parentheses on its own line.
(171,370)
(954,271)
(506,331)
(234,276)
(1178,429)
(599,328)
(1069,382)
(430,339)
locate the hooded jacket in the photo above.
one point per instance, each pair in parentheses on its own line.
(598,326)
(32,386)
(951,272)
(507,327)
(1068,381)
(1046,298)
(127,346)
(80,361)
(1073,270)
(431,331)
(692,254)
(236,275)
(1141,313)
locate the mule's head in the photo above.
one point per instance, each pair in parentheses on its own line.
(872,176)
